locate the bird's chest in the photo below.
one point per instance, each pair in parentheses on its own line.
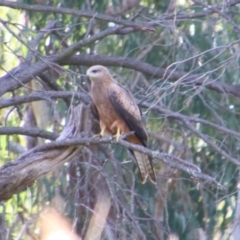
(103,104)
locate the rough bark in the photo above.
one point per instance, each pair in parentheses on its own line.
(18,175)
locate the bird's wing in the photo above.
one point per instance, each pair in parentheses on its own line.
(126,107)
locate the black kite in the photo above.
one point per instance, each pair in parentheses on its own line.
(118,113)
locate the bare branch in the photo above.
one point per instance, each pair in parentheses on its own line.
(155,72)
(19,77)
(25,75)
(143,26)
(187,121)
(43,95)
(16,176)
(36,96)
(207,11)
(175,115)
(30,131)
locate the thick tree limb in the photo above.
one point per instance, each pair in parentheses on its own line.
(154,72)
(19,77)
(180,77)
(18,175)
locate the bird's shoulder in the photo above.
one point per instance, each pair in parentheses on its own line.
(121,92)
(123,100)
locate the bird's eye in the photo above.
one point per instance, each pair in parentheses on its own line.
(95,71)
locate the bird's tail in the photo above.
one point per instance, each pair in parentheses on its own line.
(144,162)
(145,167)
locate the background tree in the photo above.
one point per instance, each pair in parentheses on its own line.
(181,61)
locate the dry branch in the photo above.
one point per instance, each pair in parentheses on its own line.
(88,60)
(43,95)
(171,75)
(143,26)
(148,26)
(30,131)
(18,175)
(21,75)
(188,123)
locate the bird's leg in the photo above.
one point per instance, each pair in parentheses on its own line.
(113,127)
(102,132)
(118,134)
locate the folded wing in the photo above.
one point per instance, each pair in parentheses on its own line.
(126,107)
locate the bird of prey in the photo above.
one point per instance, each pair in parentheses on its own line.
(118,113)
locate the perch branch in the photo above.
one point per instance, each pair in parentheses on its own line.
(16,176)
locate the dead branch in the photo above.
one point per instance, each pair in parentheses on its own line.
(155,72)
(88,14)
(29,131)
(19,77)
(87,60)
(188,123)
(43,95)
(18,175)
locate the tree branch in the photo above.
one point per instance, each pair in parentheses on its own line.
(187,122)
(207,11)
(143,26)
(155,72)
(19,77)
(16,176)
(36,96)
(43,95)
(30,131)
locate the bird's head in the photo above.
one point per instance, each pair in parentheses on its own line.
(97,72)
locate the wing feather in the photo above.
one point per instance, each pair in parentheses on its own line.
(126,107)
